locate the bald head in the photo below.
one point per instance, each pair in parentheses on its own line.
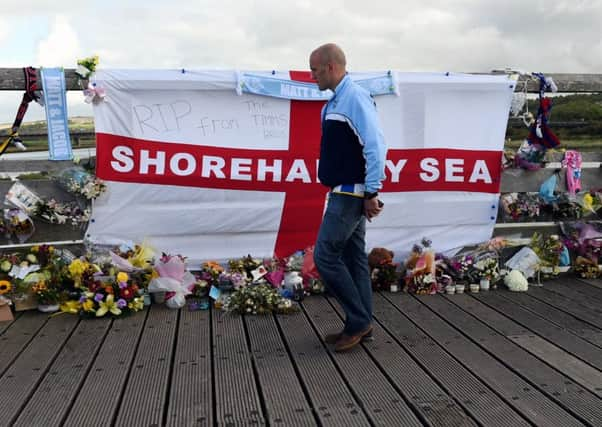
(327,64)
(331,52)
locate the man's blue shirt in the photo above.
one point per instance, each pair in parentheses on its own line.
(352,149)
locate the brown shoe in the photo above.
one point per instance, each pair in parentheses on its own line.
(347,342)
(333,338)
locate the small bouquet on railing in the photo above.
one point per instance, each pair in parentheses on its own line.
(590,202)
(520,206)
(86,66)
(78,181)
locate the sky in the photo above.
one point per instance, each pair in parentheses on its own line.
(553,36)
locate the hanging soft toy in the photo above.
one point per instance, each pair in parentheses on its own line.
(539,132)
(572,161)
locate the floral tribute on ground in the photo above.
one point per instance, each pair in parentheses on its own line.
(121,280)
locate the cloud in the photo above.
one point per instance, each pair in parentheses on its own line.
(61,46)
(5,29)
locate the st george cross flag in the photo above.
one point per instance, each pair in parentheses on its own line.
(198,167)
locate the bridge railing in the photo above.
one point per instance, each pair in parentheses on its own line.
(513,180)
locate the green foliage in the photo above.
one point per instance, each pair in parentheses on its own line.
(582,109)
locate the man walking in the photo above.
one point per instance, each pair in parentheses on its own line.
(352,159)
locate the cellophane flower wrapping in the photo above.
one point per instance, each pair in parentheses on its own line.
(80,182)
(421,270)
(174,279)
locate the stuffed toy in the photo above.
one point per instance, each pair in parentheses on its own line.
(379,256)
(516,282)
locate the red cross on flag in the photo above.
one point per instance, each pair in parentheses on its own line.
(194,168)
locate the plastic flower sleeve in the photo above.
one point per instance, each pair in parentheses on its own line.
(525,260)
(18,224)
(179,288)
(20,196)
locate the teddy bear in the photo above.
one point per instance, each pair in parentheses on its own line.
(379,256)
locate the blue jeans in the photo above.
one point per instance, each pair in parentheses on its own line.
(341,260)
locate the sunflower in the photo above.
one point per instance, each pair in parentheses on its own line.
(5,286)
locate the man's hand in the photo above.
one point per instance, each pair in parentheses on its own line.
(372,207)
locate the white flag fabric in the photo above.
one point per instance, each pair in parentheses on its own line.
(194,168)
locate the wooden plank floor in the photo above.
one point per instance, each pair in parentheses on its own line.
(490,359)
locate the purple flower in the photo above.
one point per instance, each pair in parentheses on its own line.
(98,297)
(121,303)
(82,299)
(123,285)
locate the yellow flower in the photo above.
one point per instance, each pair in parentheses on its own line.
(588,202)
(88,305)
(122,277)
(136,304)
(77,267)
(39,287)
(108,305)
(5,286)
(143,256)
(71,307)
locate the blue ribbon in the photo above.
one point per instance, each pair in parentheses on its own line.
(55,104)
(290,89)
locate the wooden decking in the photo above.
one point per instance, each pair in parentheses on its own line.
(492,359)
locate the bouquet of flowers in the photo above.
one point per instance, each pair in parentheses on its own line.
(521,206)
(586,268)
(61,212)
(565,207)
(86,66)
(228,280)
(45,295)
(244,265)
(210,272)
(81,183)
(463,267)
(384,276)
(133,258)
(548,250)
(108,294)
(17,223)
(420,269)
(488,268)
(173,279)
(259,299)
